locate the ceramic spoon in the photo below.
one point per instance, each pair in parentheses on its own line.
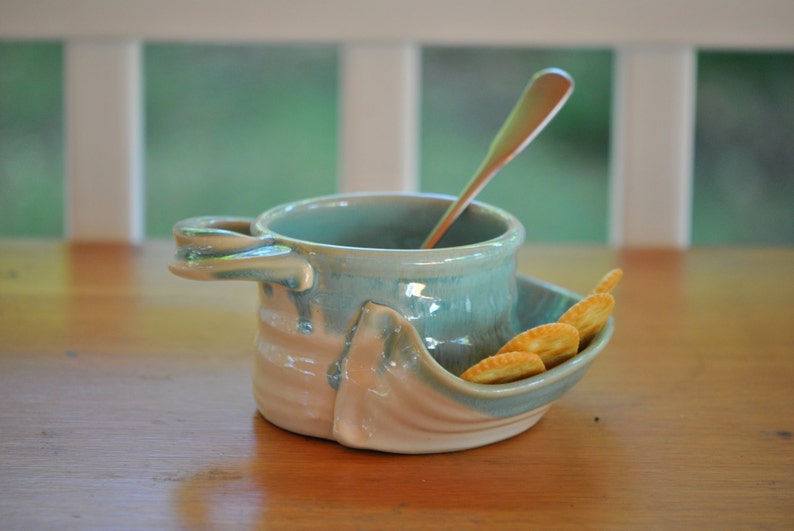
(545,94)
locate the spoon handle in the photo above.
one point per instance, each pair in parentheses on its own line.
(545,94)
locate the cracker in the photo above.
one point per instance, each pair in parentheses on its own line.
(589,315)
(504,368)
(553,342)
(609,281)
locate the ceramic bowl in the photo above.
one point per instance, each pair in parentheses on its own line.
(362,335)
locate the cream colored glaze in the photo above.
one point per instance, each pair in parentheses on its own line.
(385,400)
(290,378)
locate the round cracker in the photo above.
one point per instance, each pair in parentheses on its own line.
(609,281)
(504,368)
(589,315)
(553,342)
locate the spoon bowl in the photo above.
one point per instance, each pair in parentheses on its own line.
(544,96)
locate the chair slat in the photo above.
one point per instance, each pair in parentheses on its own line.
(652,147)
(379,117)
(103,141)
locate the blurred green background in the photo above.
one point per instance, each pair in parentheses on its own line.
(237,129)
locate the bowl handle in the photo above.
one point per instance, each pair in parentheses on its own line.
(222,248)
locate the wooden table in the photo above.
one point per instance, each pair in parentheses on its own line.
(125,402)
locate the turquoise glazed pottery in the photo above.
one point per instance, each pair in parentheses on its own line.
(362,335)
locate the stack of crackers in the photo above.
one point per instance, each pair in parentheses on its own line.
(545,346)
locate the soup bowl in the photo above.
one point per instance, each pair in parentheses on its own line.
(363,334)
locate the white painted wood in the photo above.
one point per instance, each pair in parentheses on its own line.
(607,23)
(381,42)
(103,141)
(379,117)
(653,138)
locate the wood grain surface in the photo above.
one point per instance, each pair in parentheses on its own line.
(125,402)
